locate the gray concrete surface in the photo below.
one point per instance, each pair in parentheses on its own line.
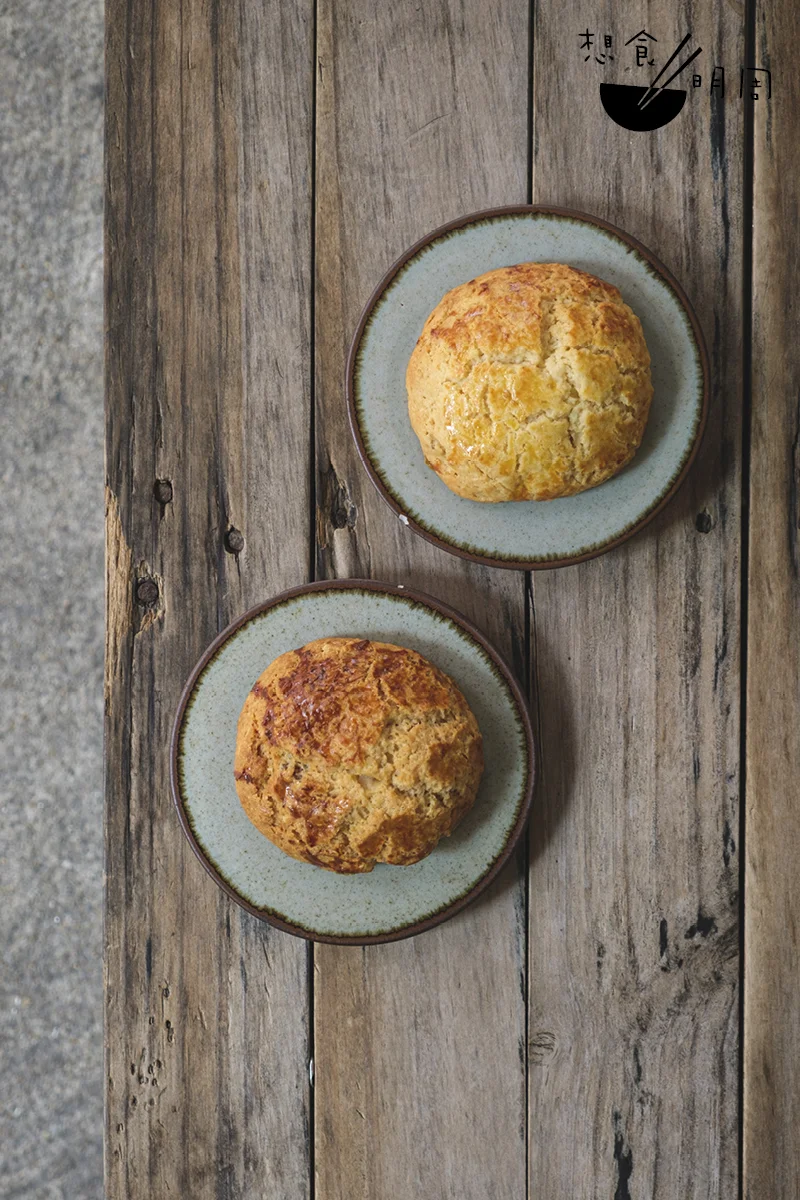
(51,596)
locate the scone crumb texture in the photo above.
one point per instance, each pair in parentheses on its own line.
(530,382)
(351,752)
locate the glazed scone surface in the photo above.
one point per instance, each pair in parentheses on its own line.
(528,383)
(351,752)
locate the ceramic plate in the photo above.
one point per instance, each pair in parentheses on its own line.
(525,534)
(390,902)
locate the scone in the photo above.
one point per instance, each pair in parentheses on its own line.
(528,383)
(354,752)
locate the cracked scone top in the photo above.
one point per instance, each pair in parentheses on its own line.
(352,752)
(529,383)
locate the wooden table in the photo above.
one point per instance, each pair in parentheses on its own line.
(620,1014)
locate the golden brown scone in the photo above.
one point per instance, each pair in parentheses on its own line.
(528,383)
(354,752)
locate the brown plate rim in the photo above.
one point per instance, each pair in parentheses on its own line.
(398,591)
(527,210)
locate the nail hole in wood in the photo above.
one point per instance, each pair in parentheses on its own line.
(146,592)
(234,541)
(162,490)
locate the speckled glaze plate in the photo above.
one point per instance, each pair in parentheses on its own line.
(390,902)
(526,534)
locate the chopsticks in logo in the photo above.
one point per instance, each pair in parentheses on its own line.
(653,91)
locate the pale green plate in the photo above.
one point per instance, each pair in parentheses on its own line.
(525,534)
(390,902)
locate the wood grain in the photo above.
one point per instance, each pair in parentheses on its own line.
(634,878)
(419,1046)
(225,417)
(772,899)
(208,293)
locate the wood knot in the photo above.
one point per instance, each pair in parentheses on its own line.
(335,501)
(542,1047)
(703,927)
(703,522)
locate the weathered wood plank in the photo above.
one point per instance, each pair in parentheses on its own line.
(634,879)
(422,116)
(772,843)
(208,314)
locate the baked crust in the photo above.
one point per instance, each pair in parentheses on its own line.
(351,752)
(528,383)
